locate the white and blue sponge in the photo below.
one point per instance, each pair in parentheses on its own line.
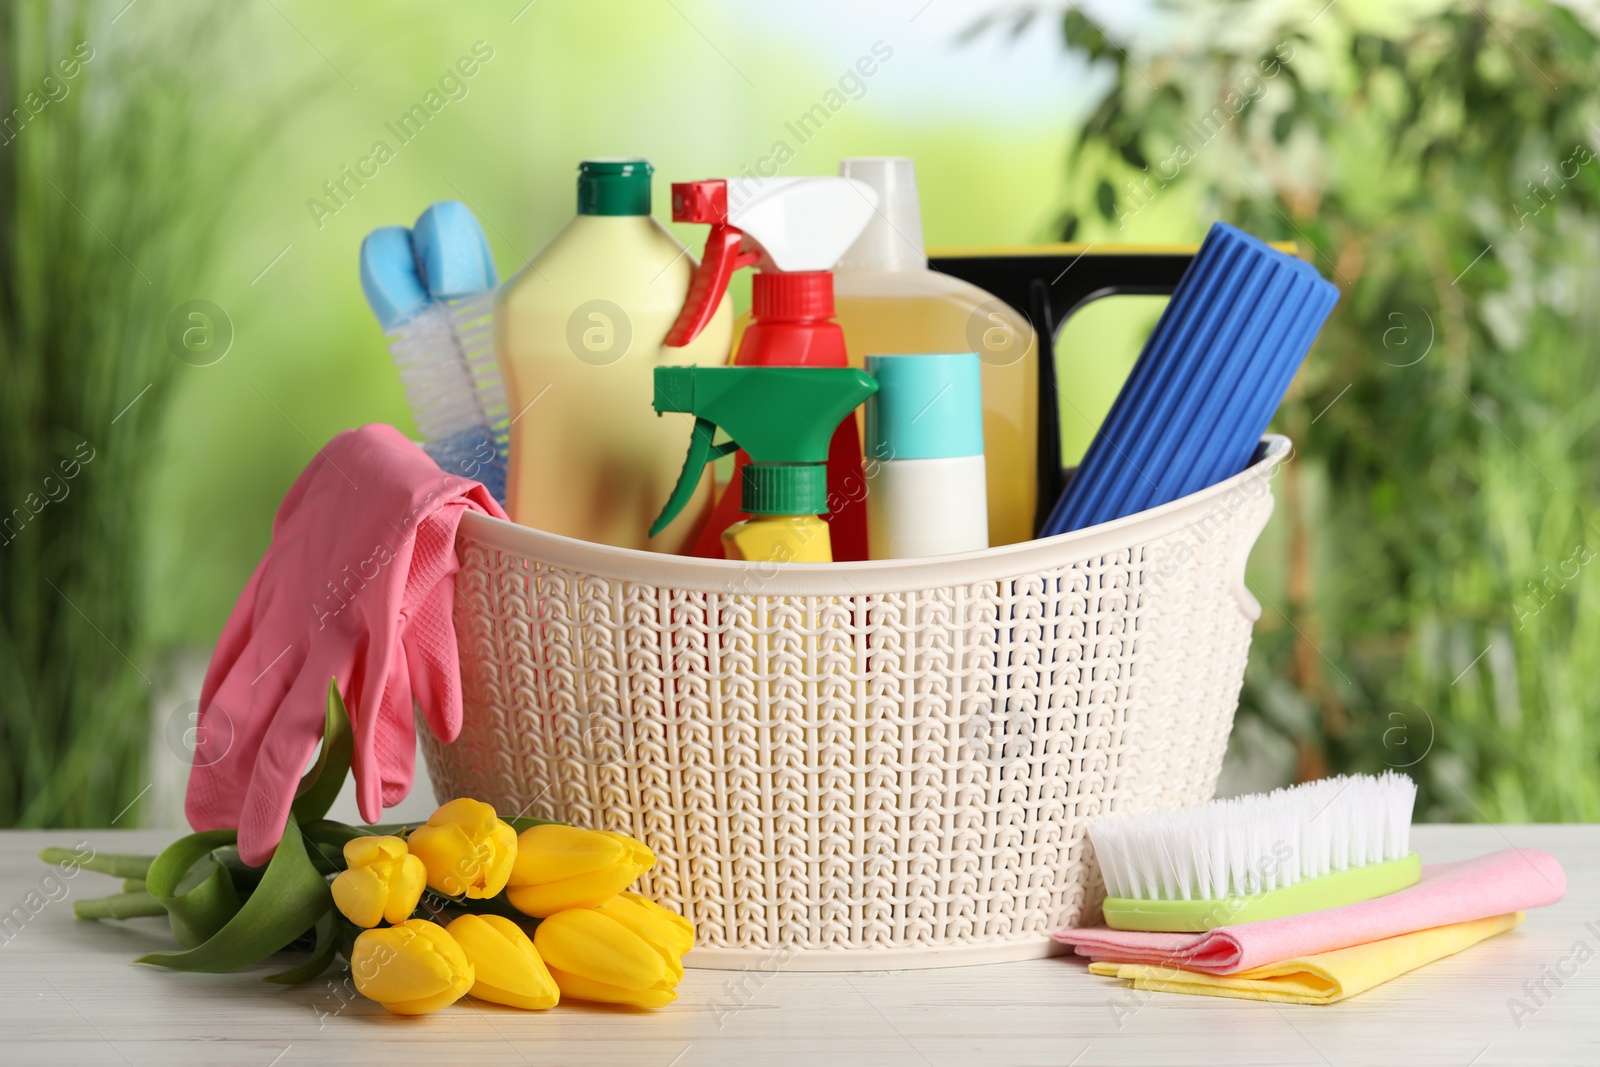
(432,288)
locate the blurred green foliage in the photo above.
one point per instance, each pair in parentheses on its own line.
(1422,588)
(101,235)
(1430,602)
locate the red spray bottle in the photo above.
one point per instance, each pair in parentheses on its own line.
(793,230)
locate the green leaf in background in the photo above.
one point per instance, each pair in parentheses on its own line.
(1428,574)
(195,889)
(292,896)
(85,395)
(321,956)
(1105,199)
(321,784)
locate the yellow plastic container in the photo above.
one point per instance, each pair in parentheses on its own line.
(887,314)
(889,303)
(779,539)
(579,334)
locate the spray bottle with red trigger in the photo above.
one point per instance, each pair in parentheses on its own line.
(793,230)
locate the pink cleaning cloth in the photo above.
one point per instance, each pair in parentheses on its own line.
(357,585)
(1501,882)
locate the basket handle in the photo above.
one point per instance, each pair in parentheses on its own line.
(1258,479)
(1249,606)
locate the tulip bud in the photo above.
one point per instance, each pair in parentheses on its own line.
(626,951)
(660,926)
(466,849)
(410,969)
(509,969)
(382,881)
(561,867)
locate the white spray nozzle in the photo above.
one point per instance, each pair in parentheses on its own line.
(801,224)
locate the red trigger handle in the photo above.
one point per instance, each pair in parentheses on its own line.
(706,201)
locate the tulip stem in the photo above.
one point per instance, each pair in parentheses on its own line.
(116,866)
(119,906)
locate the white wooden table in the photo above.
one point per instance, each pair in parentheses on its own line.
(69,994)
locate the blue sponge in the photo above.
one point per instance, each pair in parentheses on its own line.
(389,277)
(445,256)
(452,252)
(1208,382)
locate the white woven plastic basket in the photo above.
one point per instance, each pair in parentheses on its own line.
(865,765)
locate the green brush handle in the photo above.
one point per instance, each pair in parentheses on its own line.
(1329,891)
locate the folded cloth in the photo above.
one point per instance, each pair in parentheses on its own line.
(358,586)
(1511,880)
(1318,979)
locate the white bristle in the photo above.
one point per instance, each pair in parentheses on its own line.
(447,364)
(1252,844)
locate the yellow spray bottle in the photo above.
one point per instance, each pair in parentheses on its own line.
(783,418)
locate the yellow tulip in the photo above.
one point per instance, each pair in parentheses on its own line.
(509,969)
(411,969)
(466,848)
(562,867)
(382,881)
(658,925)
(626,951)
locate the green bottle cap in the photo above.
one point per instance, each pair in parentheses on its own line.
(614,186)
(784,489)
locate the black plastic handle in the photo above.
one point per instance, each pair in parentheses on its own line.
(1048,287)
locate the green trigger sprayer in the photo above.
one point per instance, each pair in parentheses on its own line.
(783,418)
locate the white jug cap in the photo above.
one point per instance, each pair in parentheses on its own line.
(892,240)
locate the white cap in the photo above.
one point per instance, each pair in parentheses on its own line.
(893,238)
(801,223)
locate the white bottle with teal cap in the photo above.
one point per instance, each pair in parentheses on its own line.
(926,490)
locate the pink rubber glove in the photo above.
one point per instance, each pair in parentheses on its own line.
(357,585)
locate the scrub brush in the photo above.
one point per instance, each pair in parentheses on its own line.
(1319,845)
(432,290)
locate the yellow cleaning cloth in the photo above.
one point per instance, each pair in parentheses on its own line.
(1323,978)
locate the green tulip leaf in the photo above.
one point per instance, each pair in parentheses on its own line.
(320,787)
(193,887)
(321,955)
(292,896)
(245,877)
(330,836)
(327,839)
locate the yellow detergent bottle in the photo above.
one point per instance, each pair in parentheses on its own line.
(783,418)
(889,303)
(578,333)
